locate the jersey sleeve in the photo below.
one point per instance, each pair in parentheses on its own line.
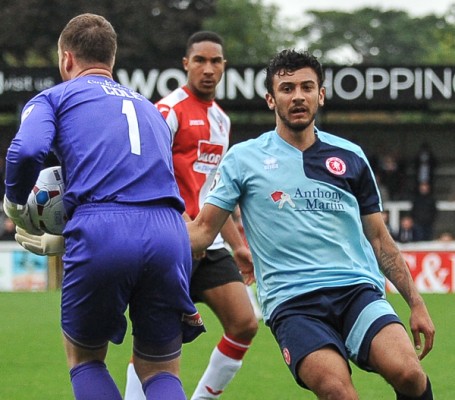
(366,190)
(29,149)
(226,188)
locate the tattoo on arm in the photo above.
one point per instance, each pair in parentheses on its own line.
(395,269)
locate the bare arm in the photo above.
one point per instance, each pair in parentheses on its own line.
(394,267)
(204,228)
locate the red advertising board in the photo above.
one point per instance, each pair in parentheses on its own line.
(432,271)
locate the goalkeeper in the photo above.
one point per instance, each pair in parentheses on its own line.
(126,241)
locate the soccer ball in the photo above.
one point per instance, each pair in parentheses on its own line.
(45,202)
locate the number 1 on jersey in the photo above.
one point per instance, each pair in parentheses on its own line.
(133,126)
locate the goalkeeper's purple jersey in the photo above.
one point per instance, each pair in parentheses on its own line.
(113,145)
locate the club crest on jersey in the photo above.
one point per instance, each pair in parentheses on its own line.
(282,198)
(335,165)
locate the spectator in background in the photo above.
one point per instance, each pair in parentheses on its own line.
(424,166)
(408,231)
(446,236)
(383,189)
(391,173)
(424,210)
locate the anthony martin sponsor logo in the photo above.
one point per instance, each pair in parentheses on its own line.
(309,200)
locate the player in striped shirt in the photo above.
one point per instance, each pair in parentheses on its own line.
(200,138)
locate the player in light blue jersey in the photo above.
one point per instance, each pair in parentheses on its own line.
(312,216)
(126,243)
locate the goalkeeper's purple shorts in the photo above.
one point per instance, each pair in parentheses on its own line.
(344,318)
(120,256)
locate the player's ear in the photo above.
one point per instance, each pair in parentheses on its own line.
(68,61)
(185,63)
(270,101)
(321,96)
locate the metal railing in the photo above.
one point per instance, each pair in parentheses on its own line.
(396,207)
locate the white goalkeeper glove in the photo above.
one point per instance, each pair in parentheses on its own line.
(20,215)
(43,245)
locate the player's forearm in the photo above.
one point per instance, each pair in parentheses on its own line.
(23,164)
(204,228)
(200,236)
(394,267)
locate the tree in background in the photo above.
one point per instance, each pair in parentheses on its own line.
(251,30)
(154,32)
(375,37)
(442,49)
(149,31)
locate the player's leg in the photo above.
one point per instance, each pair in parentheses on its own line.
(378,342)
(317,359)
(225,293)
(393,357)
(232,306)
(156,359)
(326,373)
(163,374)
(161,310)
(92,308)
(133,388)
(89,376)
(144,268)
(160,379)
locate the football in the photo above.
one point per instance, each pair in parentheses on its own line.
(45,202)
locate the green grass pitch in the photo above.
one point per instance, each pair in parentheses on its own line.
(33,366)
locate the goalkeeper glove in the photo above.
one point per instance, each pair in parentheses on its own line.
(43,245)
(20,215)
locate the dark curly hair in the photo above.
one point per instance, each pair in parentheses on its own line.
(290,60)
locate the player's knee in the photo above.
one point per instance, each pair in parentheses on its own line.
(247,331)
(251,327)
(411,381)
(243,329)
(335,389)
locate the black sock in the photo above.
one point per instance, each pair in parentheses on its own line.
(426,395)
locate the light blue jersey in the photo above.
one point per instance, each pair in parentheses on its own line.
(301,212)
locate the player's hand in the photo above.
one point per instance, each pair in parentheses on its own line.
(20,215)
(46,244)
(244,261)
(421,324)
